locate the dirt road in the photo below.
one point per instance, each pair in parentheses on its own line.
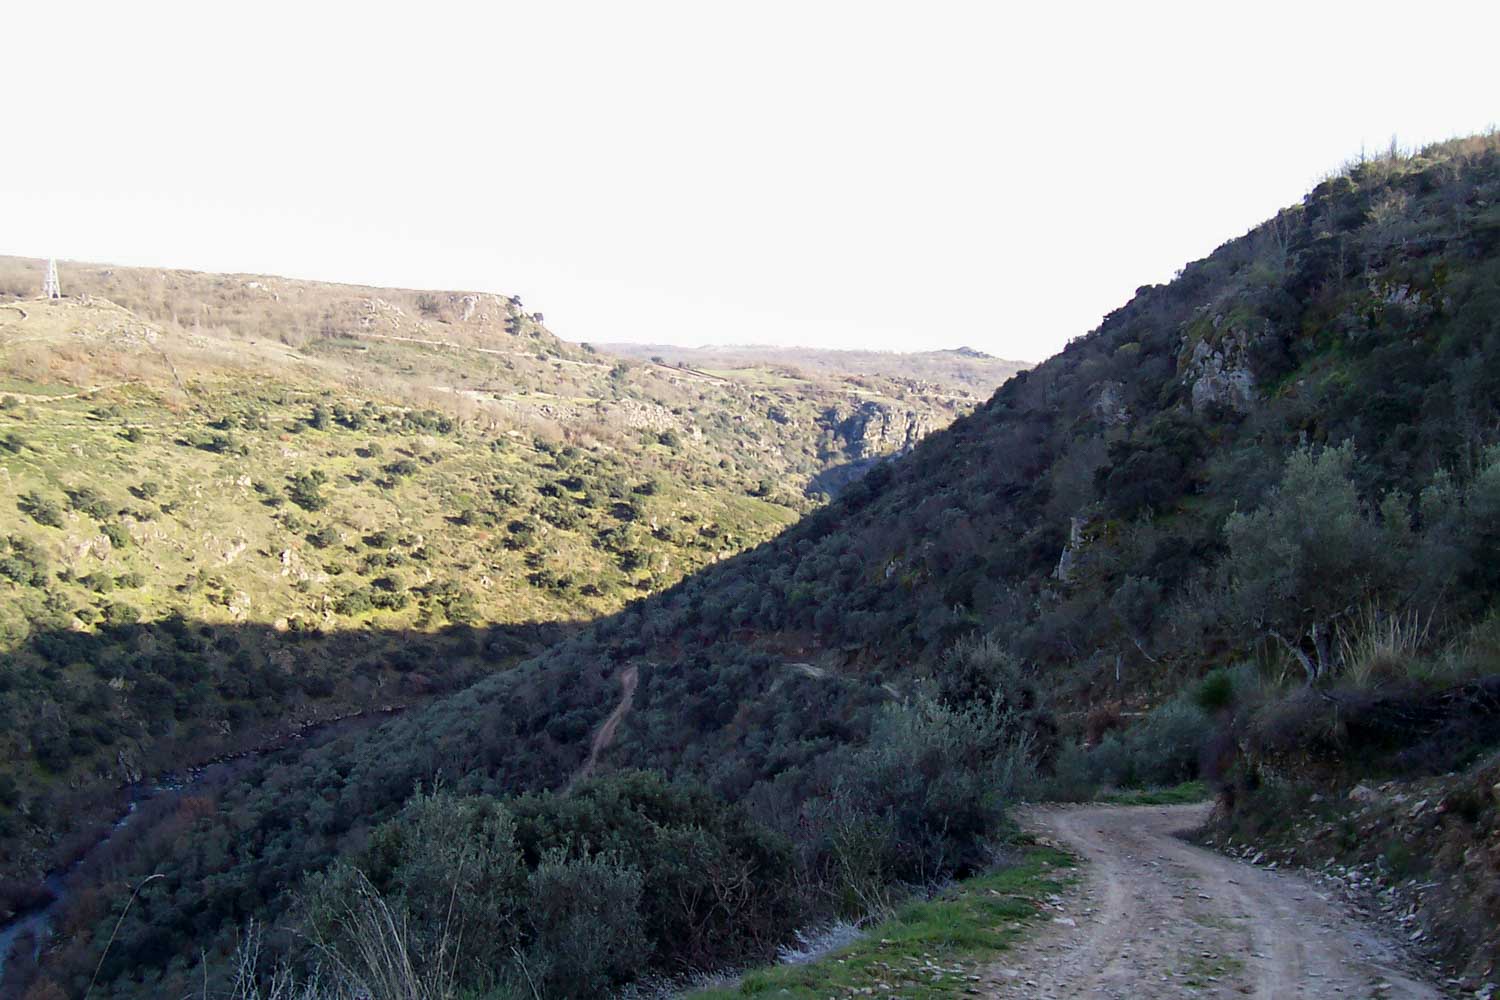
(606,734)
(1156,916)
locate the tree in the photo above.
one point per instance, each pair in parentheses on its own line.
(1307,557)
(304,490)
(42,510)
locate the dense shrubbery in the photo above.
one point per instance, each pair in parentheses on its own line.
(1165,748)
(571,893)
(575,893)
(921,800)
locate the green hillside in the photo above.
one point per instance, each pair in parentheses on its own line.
(244,505)
(1245,529)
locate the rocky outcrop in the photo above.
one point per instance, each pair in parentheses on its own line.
(866,434)
(1109,406)
(876,430)
(1217,369)
(1069,557)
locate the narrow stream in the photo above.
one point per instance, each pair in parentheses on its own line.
(35,923)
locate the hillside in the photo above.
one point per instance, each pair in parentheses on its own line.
(964,371)
(312,495)
(1245,528)
(484,358)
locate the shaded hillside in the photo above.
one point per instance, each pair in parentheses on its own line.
(1298,427)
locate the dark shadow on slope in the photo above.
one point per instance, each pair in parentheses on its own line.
(91,713)
(834,480)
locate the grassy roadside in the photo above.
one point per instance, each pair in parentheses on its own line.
(931,948)
(1188,791)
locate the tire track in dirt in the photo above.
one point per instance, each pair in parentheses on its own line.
(1157,917)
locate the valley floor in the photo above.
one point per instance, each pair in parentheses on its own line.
(1155,916)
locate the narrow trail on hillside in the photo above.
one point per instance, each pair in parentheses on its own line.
(39,397)
(1156,917)
(606,734)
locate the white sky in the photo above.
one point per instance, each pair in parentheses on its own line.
(900,176)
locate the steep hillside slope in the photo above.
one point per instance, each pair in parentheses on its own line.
(1298,430)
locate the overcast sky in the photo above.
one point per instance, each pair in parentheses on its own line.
(899,176)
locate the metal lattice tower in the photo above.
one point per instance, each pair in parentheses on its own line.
(51,288)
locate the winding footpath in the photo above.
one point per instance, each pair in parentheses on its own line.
(606,734)
(1156,917)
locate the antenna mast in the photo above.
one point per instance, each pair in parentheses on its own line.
(51,288)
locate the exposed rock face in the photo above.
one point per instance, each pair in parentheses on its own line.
(638,415)
(1219,372)
(129,769)
(1109,405)
(1065,562)
(876,430)
(867,434)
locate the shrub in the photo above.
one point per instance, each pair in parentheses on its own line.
(585,917)
(1164,748)
(118,535)
(24,562)
(89,501)
(1215,692)
(976,670)
(389,600)
(121,615)
(1072,778)
(936,781)
(40,509)
(448,855)
(519,534)
(402,468)
(324,537)
(304,490)
(717,884)
(560,895)
(353,603)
